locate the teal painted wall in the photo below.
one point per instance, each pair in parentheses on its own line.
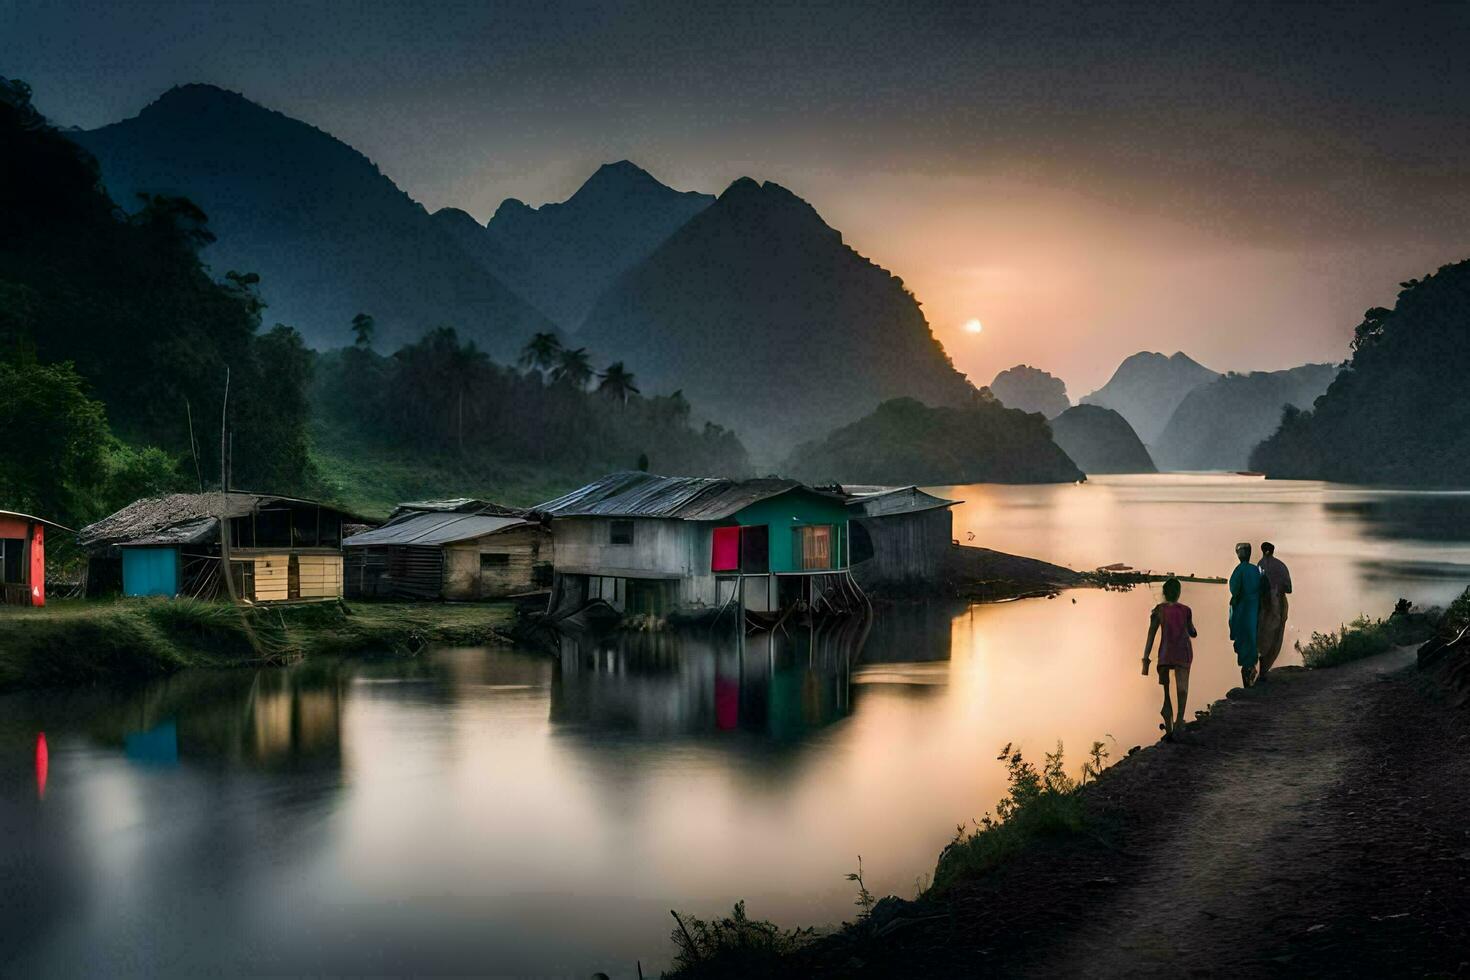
(795,509)
(150,571)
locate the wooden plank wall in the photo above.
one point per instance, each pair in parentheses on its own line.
(321,576)
(272,577)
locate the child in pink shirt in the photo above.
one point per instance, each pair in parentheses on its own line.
(1176,623)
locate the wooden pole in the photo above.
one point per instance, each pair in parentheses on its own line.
(224,493)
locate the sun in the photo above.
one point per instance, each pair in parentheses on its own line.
(973,326)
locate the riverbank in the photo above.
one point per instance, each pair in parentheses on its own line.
(81,642)
(1312,825)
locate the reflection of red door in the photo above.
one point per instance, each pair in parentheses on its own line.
(38,565)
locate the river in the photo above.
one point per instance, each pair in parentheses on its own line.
(504,812)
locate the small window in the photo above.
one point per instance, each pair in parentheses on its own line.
(492,562)
(620,532)
(814,546)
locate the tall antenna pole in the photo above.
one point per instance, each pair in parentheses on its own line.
(224,493)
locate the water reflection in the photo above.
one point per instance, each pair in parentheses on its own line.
(518,813)
(783,685)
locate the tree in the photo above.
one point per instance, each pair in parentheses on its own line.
(573,367)
(617,382)
(541,352)
(56,439)
(362,330)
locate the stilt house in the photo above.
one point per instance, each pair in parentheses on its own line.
(23,558)
(281,548)
(459,550)
(659,544)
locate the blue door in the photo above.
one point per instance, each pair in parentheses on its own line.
(150,571)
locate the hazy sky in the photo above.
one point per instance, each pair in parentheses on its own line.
(1238,181)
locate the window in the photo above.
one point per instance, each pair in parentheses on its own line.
(494,562)
(814,546)
(12,550)
(620,532)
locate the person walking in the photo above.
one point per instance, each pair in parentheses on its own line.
(1271,630)
(1176,652)
(1245,612)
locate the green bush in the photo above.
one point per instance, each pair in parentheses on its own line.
(735,946)
(1040,803)
(1367,637)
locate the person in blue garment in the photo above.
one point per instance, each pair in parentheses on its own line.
(1245,611)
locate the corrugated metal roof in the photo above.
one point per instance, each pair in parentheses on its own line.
(32,517)
(685,498)
(876,501)
(428,528)
(181,518)
(458,505)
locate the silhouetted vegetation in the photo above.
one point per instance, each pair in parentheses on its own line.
(732,946)
(1100,441)
(1397,412)
(1039,803)
(1031,390)
(1365,636)
(1217,424)
(110,318)
(447,413)
(773,325)
(905,441)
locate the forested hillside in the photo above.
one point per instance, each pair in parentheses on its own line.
(771,323)
(905,441)
(1219,423)
(114,338)
(1397,414)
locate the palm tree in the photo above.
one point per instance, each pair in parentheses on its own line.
(362,330)
(573,367)
(617,382)
(541,352)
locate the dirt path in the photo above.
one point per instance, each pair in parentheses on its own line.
(1316,825)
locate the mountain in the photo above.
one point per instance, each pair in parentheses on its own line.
(560,257)
(1100,441)
(1217,425)
(1031,390)
(329,235)
(1397,412)
(1146,389)
(905,441)
(771,324)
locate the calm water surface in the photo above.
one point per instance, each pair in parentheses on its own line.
(512,813)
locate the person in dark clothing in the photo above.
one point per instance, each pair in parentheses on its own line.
(1275,587)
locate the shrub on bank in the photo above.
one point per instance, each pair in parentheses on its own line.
(1366,637)
(1043,802)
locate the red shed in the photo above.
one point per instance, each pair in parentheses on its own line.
(23,558)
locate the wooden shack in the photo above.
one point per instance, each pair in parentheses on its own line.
(901,536)
(658,544)
(459,550)
(23,558)
(281,548)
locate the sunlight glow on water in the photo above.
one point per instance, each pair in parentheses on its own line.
(496,811)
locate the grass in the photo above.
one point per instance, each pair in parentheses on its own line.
(733,946)
(78,642)
(1040,803)
(1367,637)
(371,482)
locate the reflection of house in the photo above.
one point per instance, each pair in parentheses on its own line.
(654,544)
(280,547)
(23,559)
(454,549)
(901,536)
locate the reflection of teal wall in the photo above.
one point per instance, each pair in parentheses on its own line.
(150,571)
(795,509)
(158,746)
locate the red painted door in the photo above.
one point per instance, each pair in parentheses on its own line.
(38,564)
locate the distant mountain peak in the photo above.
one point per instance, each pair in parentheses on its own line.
(195,97)
(770,206)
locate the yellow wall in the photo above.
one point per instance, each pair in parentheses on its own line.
(321,575)
(272,577)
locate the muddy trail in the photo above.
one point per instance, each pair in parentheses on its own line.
(1315,825)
